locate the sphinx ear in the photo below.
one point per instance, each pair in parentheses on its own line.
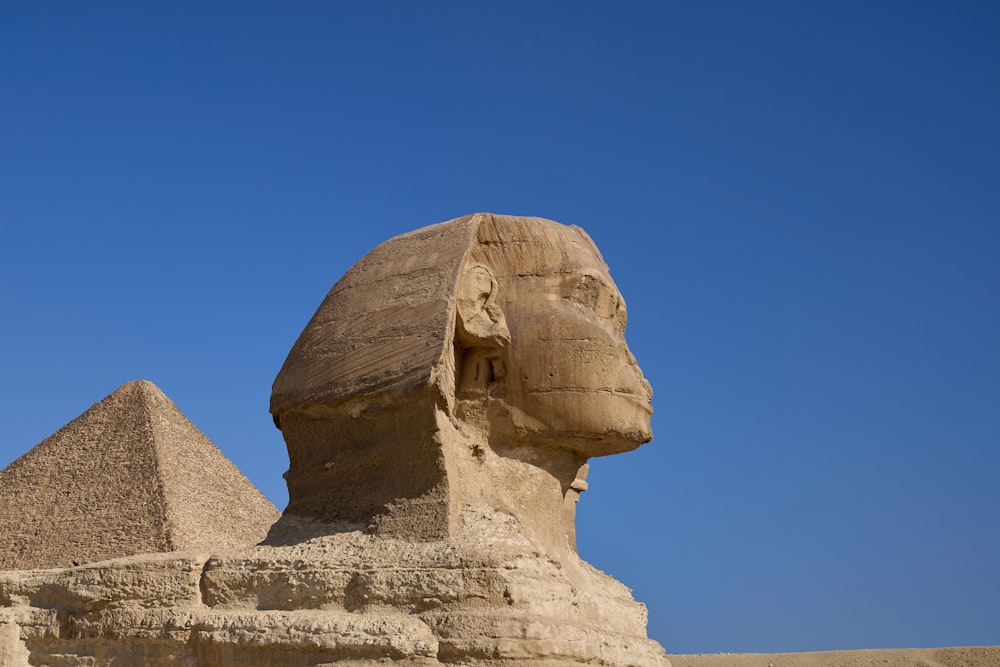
(481,322)
(481,333)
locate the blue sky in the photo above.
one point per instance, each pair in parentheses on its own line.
(799,200)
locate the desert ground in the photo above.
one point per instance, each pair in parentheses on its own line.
(964,656)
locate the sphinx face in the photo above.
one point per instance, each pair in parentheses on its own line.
(571,379)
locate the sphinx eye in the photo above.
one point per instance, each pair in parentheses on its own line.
(587,292)
(601,298)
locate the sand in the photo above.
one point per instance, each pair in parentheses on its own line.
(963,656)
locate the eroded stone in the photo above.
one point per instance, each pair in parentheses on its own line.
(439,410)
(130,475)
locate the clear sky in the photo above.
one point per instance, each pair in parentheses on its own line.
(799,200)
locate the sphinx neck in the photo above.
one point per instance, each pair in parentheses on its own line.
(419,474)
(529,490)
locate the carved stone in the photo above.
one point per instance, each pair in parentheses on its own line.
(467,367)
(130,475)
(439,410)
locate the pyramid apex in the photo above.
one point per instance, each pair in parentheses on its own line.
(141,385)
(130,475)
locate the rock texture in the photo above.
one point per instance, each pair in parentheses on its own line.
(439,410)
(131,475)
(465,368)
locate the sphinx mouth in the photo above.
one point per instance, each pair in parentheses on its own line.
(642,398)
(644,401)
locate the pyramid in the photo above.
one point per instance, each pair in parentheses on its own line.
(130,475)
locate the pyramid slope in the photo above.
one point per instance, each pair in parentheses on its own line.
(119,480)
(210,504)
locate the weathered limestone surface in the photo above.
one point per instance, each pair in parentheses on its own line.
(439,410)
(130,475)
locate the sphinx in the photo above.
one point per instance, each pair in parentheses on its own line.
(439,410)
(468,367)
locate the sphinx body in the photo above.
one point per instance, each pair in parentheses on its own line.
(439,410)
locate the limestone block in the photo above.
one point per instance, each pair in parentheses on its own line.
(130,475)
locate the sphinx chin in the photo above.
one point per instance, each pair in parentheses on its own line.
(599,424)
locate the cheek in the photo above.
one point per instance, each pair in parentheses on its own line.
(581,365)
(563,349)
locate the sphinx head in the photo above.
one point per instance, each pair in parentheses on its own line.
(507,332)
(562,375)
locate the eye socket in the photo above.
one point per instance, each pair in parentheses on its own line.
(603,299)
(587,291)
